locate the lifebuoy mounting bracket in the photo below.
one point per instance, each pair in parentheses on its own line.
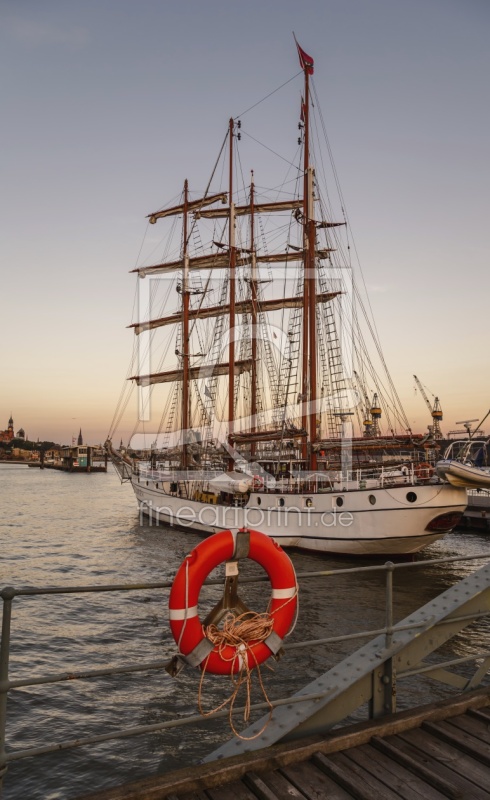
(242,545)
(200,652)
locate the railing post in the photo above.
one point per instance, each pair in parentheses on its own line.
(383,699)
(389,678)
(7,596)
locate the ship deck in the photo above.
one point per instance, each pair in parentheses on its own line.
(436,751)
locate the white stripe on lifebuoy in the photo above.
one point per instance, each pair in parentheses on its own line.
(284,594)
(183,613)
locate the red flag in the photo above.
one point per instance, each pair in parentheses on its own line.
(305,60)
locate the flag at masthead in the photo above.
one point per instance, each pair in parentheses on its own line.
(305,60)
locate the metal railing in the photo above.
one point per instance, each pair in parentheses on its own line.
(388,631)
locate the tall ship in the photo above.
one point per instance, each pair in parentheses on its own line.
(256,354)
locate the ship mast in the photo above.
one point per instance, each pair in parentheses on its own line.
(231,345)
(253,290)
(185,334)
(309,379)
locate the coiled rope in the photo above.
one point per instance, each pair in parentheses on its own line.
(238,632)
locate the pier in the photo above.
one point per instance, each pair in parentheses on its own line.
(77,458)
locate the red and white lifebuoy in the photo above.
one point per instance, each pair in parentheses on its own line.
(257,483)
(424,470)
(187,628)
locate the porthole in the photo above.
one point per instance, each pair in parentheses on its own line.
(280,502)
(308,502)
(147,483)
(339,501)
(411,497)
(259,501)
(372,499)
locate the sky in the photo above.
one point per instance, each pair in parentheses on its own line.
(107,105)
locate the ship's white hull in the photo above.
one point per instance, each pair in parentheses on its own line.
(372,521)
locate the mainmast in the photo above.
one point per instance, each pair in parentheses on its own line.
(231,345)
(309,366)
(253,292)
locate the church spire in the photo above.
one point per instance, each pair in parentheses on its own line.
(80,437)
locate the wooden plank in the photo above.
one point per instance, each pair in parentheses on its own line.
(481,713)
(314,783)
(236,790)
(258,787)
(475,727)
(466,773)
(417,768)
(188,796)
(355,780)
(283,787)
(460,739)
(392,774)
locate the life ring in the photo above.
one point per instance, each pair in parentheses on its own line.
(424,471)
(187,628)
(257,483)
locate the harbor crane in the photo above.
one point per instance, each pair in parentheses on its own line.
(367,420)
(372,410)
(435,410)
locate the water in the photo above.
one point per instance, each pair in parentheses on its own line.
(70,530)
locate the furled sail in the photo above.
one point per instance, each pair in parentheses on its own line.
(222,261)
(206,371)
(192,206)
(243,307)
(258,208)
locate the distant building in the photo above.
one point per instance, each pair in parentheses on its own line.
(21,434)
(8,434)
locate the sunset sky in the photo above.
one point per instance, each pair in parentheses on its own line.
(107,105)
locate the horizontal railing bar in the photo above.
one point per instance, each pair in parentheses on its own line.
(139,730)
(105,671)
(430,667)
(82,675)
(389,565)
(360,635)
(303,575)
(199,719)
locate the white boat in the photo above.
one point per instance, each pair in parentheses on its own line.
(465,464)
(267,420)
(466,475)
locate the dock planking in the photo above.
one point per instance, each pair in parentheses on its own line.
(433,752)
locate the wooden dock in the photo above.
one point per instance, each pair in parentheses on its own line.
(437,751)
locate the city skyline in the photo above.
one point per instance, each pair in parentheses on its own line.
(110,106)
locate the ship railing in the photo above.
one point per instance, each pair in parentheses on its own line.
(396,651)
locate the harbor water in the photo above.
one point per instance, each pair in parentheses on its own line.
(59,529)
